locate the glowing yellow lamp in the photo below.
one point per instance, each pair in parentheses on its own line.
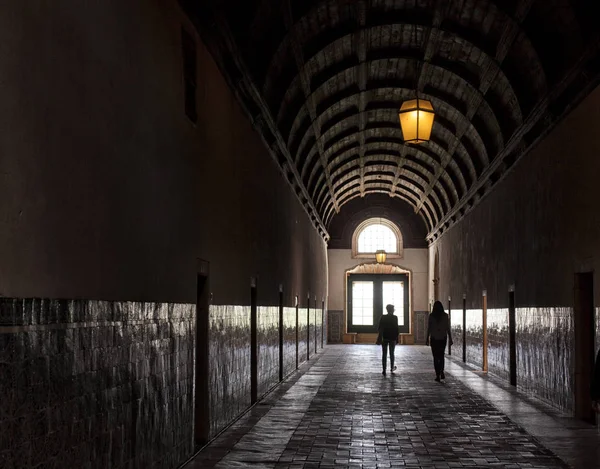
(380,256)
(416,120)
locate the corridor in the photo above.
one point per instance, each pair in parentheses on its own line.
(339,411)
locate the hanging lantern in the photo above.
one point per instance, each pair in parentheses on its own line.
(380,256)
(416,120)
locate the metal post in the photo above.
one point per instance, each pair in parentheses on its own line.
(322,324)
(464,329)
(297,333)
(308,326)
(315,310)
(280,332)
(512,335)
(253,343)
(450,321)
(485,334)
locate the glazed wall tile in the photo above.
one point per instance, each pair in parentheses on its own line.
(95,383)
(544,338)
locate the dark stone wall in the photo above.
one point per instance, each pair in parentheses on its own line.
(535,230)
(356,211)
(95,383)
(108,191)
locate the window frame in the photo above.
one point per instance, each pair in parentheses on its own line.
(399,254)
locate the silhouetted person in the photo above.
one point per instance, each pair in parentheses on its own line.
(438,329)
(388,336)
(596,385)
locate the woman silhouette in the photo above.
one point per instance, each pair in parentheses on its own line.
(438,329)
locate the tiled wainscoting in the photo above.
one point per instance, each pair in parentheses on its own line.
(95,384)
(335,330)
(229,363)
(544,353)
(289,340)
(230,352)
(90,384)
(420,326)
(544,347)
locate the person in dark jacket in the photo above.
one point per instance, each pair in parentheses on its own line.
(438,329)
(596,385)
(388,337)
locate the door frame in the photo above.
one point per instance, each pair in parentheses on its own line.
(378,279)
(375,268)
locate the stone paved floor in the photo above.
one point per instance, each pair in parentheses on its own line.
(339,411)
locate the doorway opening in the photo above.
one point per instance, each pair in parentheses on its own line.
(368,295)
(584,325)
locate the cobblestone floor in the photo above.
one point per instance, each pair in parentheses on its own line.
(339,411)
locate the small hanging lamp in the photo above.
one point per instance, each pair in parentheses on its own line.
(380,256)
(416,120)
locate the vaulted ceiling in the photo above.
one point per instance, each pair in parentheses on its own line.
(322,82)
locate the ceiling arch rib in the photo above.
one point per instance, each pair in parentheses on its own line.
(403,154)
(428,55)
(391,164)
(508,35)
(309,102)
(429,152)
(394,95)
(458,66)
(413,166)
(450,88)
(413,182)
(399,141)
(442,118)
(442,137)
(406,195)
(317,34)
(371,187)
(382,170)
(351,183)
(330,64)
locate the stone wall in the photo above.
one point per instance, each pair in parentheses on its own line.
(91,384)
(538,228)
(108,190)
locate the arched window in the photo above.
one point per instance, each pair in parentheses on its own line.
(375,234)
